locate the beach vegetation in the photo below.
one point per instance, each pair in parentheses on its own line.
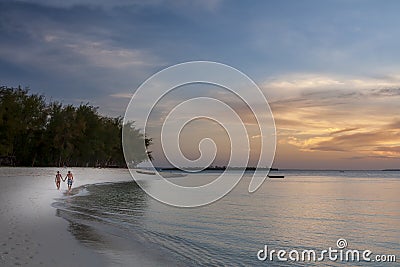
(34,132)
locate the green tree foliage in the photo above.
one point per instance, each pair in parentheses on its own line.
(34,133)
(133,141)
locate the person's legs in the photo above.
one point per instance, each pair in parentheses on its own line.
(69,185)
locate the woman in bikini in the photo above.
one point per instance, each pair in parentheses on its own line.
(58,180)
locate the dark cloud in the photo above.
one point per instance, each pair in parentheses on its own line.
(343,131)
(69,53)
(386,92)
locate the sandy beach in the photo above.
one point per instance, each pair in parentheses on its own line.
(32,235)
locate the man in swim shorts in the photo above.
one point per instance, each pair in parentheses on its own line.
(58,180)
(70,178)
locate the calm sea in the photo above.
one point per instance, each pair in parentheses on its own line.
(306,210)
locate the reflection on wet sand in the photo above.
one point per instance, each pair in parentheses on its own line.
(100,206)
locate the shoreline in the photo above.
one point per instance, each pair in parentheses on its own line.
(36,232)
(121,246)
(31,233)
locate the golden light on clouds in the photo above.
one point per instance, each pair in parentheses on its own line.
(321,122)
(339,122)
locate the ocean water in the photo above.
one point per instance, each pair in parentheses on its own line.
(306,210)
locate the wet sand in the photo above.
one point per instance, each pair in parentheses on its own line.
(31,234)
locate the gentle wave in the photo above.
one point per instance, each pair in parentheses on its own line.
(298,212)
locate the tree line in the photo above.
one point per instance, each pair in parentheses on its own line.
(34,132)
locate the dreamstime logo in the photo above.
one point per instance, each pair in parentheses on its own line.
(144,103)
(342,253)
(341,243)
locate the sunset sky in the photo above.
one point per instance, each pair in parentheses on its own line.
(330,69)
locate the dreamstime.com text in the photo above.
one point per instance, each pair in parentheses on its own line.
(341,253)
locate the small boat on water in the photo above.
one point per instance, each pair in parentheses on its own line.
(163,174)
(145,172)
(279,176)
(276,176)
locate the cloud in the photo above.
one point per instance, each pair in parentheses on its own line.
(363,158)
(290,123)
(379,142)
(83,66)
(394,125)
(343,131)
(394,149)
(63,51)
(204,4)
(326,113)
(102,3)
(309,84)
(303,81)
(122,95)
(101,54)
(326,110)
(386,92)
(353,141)
(66,49)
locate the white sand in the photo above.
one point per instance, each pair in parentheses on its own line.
(31,234)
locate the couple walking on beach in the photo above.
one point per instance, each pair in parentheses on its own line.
(69,176)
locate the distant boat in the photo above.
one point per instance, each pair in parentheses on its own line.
(172,174)
(276,176)
(163,174)
(145,172)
